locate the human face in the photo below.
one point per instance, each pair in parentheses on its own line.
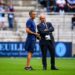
(33,15)
(42,19)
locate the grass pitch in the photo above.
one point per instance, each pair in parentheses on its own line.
(15,66)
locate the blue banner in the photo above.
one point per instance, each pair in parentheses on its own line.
(16,49)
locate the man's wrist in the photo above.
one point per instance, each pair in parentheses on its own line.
(33,33)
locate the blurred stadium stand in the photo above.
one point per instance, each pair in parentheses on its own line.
(61,23)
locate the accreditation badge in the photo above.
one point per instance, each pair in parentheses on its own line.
(48,37)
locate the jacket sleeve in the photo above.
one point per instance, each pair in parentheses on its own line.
(51,28)
(41,30)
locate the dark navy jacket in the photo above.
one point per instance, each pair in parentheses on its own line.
(41,30)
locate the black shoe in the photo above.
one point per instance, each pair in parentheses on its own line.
(28,68)
(54,68)
(31,68)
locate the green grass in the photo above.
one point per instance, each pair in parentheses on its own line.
(15,66)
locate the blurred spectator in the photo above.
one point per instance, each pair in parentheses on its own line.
(43,3)
(11,15)
(61,4)
(50,5)
(73,22)
(2,16)
(58,5)
(71,5)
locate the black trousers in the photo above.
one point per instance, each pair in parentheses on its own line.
(48,45)
(73,25)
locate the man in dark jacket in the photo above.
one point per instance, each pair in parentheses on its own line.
(45,30)
(73,22)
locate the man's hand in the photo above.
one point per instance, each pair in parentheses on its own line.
(46,30)
(38,36)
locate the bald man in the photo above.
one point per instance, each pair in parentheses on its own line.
(45,30)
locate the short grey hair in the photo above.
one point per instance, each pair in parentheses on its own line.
(31,11)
